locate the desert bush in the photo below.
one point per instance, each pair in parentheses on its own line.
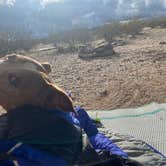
(10,44)
(133,27)
(12,40)
(72,36)
(154,22)
(109,31)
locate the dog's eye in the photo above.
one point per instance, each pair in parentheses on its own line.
(13,80)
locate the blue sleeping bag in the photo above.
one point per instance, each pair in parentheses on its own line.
(98,140)
(18,154)
(23,155)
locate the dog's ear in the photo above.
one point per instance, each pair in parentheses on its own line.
(56,98)
(47,67)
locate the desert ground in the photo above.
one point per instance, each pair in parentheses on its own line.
(134,76)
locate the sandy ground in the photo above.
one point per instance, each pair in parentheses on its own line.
(136,75)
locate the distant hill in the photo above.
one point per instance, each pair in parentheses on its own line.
(38,18)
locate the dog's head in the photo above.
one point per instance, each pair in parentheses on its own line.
(25,81)
(14,61)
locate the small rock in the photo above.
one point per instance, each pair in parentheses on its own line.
(162,42)
(103,93)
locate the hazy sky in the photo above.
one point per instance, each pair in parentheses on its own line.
(146,2)
(49,1)
(11,2)
(8,2)
(122,4)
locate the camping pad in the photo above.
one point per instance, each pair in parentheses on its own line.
(147,123)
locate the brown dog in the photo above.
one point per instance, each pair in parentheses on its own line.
(25,81)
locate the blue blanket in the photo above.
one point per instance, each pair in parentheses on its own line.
(28,156)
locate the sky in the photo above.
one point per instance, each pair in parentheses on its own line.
(11,2)
(8,2)
(122,6)
(50,1)
(135,3)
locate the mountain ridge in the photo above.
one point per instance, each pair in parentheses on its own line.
(39,19)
